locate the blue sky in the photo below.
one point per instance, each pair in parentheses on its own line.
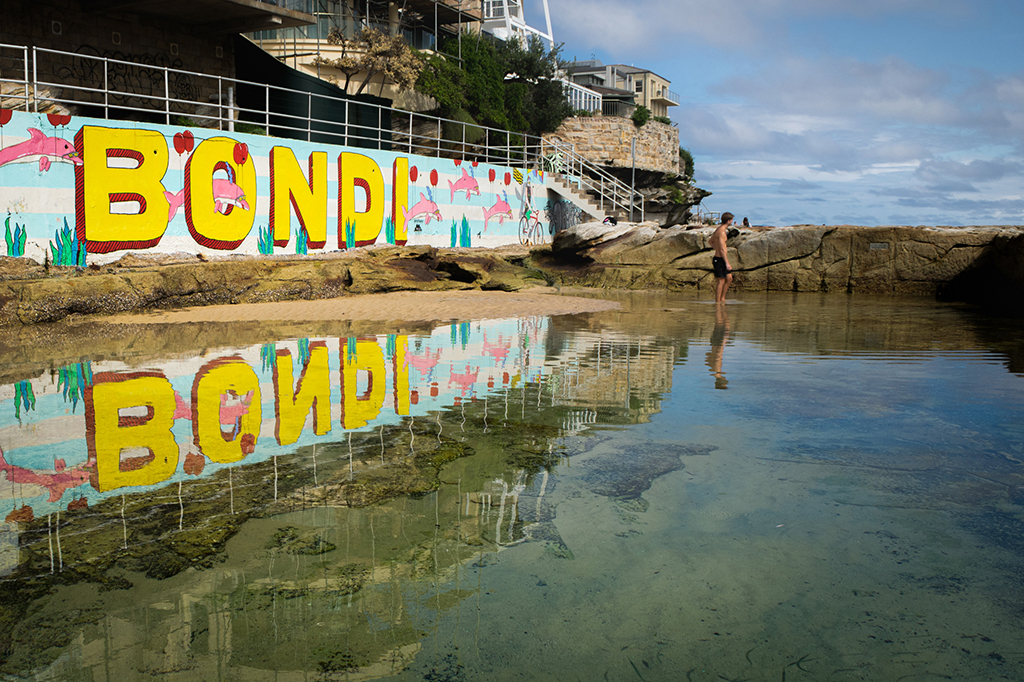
(869,112)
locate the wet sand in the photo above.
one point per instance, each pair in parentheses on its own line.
(405,306)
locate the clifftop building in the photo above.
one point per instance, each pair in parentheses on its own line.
(424,23)
(620,83)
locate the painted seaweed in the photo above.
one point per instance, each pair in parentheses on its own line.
(72,380)
(15,241)
(66,249)
(301,241)
(265,243)
(268,356)
(23,396)
(350,233)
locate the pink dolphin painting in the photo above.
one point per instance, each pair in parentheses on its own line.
(225,193)
(424,363)
(233,409)
(465,380)
(466,183)
(182,410)
(60,480)
(500,209)
(42,149)
(424,207)
(498,350)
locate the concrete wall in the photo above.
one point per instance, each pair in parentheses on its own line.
(606,141)
(63,25)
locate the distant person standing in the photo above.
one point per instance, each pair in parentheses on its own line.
(746,223)
(720,261)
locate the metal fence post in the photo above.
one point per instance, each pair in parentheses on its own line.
(167,98)
(35,81)
(309,117)
(24,57)
(106,90)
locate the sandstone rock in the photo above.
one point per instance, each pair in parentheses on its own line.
(894,259)
(28,295)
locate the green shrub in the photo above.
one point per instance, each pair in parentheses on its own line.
(641,115)
(249,128)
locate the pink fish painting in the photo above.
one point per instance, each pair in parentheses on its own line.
(466,183)
(225,194)
(425,208)
(501,209)
(60,480)
(42,150)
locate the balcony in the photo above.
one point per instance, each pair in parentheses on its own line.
(666,97)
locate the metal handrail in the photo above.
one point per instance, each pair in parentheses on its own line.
(407,130)
(589,177)
(40,92)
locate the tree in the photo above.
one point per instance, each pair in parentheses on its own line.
(373,52)
(504,85)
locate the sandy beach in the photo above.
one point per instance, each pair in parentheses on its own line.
(400,306)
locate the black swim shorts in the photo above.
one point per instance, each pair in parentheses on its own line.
(718,265)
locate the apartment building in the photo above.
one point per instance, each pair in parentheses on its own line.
(621,83)
(423,23)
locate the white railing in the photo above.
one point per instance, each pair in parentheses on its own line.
(495,9)
(581,98)
(101,87)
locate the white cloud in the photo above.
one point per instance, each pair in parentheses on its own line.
(784,123)
(643,27)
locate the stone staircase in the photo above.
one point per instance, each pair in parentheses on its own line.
(585,201)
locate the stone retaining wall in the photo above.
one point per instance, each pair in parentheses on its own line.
(606,141)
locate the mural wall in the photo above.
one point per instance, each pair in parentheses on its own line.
(75,190)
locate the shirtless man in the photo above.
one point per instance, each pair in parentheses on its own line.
(720,261)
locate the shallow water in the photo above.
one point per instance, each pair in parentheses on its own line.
(784,488)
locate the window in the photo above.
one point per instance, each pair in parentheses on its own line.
(639,86)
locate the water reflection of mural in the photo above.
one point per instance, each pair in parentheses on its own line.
(336,481)
(101,428)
